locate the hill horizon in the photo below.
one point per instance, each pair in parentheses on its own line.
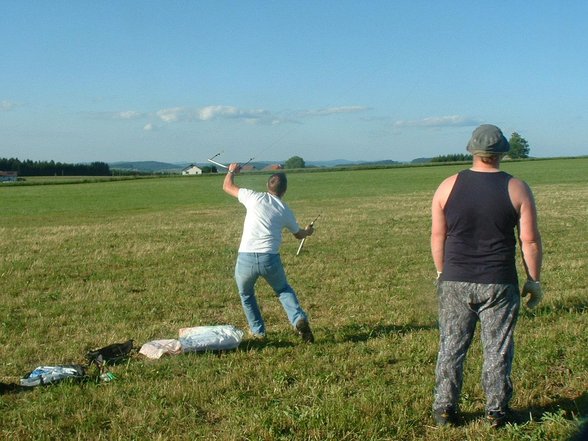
(155,166)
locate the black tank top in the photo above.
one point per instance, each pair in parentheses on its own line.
(480,245)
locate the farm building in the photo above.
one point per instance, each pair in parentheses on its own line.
(8,176)
(273,167)
(192,170)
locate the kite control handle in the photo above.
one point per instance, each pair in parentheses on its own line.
(303,240)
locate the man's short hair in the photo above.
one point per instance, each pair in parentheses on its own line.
(490,159)
(277,184)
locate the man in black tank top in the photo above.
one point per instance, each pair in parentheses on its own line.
(474,217)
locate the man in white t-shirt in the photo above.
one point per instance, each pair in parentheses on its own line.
(259,251)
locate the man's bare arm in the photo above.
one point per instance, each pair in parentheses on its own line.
(529,236)
(229,185)
(438,224)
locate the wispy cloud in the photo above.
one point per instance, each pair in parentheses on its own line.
(7,106)
(211,113)
(221,112)
(173,114)
(439,121)
(128,114)
(123,115)
(334,110)
(251,116)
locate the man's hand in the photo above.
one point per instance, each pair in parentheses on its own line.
(303,233)
(436,282)
(234,168)
(533,289)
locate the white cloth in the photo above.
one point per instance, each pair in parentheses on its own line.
(156,348)
(267,215)
(210,338)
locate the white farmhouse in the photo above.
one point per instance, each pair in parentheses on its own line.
(192,170)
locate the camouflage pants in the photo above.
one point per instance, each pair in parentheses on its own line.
(461,306)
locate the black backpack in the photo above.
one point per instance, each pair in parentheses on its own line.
(111,354)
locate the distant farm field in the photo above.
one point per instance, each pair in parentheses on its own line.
(83,265)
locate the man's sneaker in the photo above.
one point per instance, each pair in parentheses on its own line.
(304,331)
(496,418)
(445,416)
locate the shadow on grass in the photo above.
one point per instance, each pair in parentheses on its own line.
(575,305)
(572,408)
(12,388)
(255,344)
(355,333)
(360,332)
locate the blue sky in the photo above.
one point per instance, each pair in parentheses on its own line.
(360,80)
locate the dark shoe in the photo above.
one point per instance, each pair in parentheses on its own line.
(497,418)
(445,417)
(304,331)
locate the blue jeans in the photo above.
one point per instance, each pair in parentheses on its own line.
(269,266)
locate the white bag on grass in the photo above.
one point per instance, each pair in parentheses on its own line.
(156,348)
(52,374)
(210,338)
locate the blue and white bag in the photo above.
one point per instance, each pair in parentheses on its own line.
(52,374)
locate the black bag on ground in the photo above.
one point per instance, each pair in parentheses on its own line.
(110,354)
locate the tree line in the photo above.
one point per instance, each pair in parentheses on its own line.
(452,158)
(52,168)
(519,148)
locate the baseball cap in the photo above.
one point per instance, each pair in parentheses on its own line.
(487,140)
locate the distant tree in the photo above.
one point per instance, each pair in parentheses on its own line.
(519,147)
(295,162)
(209,169)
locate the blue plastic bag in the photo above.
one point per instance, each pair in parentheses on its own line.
(51,374)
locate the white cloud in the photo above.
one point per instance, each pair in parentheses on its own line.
(124,115)
(249,116)
(220,112)
(335,110)
(210,113)
(7,106)
(173,114)
(129,114)
(439,121)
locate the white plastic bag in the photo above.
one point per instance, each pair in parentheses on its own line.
(156,348)
(52,374)
(210,338)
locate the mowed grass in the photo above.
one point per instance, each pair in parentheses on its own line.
(85,265)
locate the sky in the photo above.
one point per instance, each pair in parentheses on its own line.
(180,81)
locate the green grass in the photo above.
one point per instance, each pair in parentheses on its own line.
(84,265)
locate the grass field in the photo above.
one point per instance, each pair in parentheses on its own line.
(84,265)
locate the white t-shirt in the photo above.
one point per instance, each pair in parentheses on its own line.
(266,217)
